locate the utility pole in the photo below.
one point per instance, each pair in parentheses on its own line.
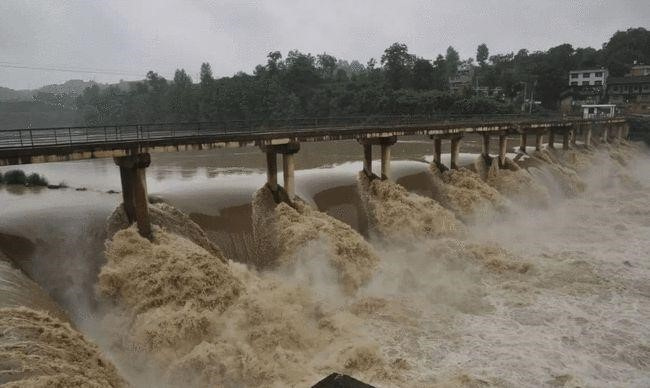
(523,102)
(532,93)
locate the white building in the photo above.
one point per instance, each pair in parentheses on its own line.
(588,77)
(598,111)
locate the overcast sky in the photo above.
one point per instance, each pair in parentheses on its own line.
(132,36)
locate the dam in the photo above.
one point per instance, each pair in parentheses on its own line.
(441,305)
(130,145)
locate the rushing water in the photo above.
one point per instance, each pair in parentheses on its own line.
(543,282)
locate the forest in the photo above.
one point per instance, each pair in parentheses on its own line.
(398,82)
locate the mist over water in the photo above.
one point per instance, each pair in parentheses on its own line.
(486,277)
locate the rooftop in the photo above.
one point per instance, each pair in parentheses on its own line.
(581,70)
(642,79)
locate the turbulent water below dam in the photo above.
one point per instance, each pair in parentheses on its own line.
(532,274)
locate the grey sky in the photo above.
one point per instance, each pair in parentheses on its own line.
(134,36)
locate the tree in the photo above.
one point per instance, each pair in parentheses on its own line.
(422,74)
(626,47)
(181,97)
(452,59)
(482,54)
(440,79)
(206,75)
(206,95)
(397,63)
(274,62)
(327,65)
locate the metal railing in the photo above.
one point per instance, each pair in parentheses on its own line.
(68,136)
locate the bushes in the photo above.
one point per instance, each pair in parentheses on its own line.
(35,179)
(18,177)
(15,177)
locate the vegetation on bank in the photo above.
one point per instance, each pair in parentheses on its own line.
(299,85)
(304,85)
(18,177)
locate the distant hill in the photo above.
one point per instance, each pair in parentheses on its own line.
(7,94)
(48,106)
(72,87)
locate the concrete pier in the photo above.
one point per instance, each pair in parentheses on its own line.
(288,168)
(367,159)
(485,146)
(437,151)
(551,139)
(272,171)
(587,137)
(385,143)
(539,139)
(572,137)
(503,149)
(385,160)
(522,144)
(288,150)
(565,140)
(455,150)
(605,137)
(134,190)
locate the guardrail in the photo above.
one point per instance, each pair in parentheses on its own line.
(35,137)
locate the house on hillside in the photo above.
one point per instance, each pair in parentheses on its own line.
(588,77)
(486,91)
(631,93)
(639,70)
(585,87)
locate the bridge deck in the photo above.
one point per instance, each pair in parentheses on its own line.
(23,146)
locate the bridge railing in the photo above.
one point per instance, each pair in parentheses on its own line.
(41,137)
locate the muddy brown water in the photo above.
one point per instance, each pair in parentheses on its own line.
(581,311)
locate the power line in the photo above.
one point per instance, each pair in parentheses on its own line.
(12,65)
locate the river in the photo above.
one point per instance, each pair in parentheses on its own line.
(541,282)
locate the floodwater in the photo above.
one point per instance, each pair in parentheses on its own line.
(454,284)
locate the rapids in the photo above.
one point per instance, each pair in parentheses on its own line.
(534,274)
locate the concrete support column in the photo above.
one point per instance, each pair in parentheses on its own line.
(288,167)
(485,149)
(539,139)
(385,160)
(134,190)
(551,139)
(605,137)
(619,133)
(572,137)
(385,143)
(522,145)
(437,151)
(127,176)
(455,150)
(367,159)
(588,137)
(565,140)
(503,148)
(288,150)
(272,171)
(141,203)
(626,130)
